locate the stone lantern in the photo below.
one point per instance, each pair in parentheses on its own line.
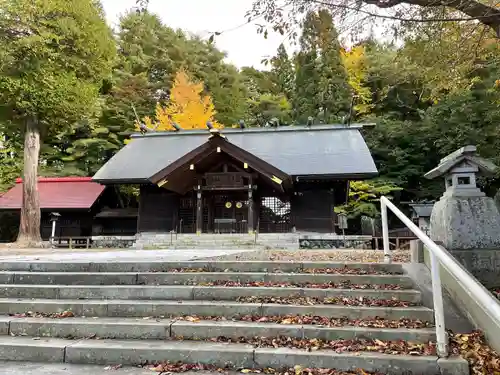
(464,217)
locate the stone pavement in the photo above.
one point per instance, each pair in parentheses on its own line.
(123,255)
(23,368)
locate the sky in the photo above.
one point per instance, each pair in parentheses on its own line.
(244,47)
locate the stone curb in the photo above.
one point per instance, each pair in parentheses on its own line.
(109,352)
(187,292)
(176,278)
(162,266)
(132,329)
(141,308)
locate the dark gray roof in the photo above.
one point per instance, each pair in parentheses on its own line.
(298,151)
(422,209)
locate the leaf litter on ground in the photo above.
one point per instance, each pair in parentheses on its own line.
(180,367)
(346,270)
(374,322)
(32,314)
(272,284)
(483,360)
(336,255)
(339,346)
(347,301)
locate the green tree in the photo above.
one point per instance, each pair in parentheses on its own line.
(53,57)
(307,79)
(257,82)
(267,107)
(322,88)
(282,72)
(334,91)
(10,163)
(364,198)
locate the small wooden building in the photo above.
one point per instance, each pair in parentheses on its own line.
(240,180)
(421,215)
(76,199)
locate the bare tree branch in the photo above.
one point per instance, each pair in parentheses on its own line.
(472,10)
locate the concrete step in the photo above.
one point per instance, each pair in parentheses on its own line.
(141,308)
(209,266)
(176,278)
(127,352)
(186,292)
(162,329)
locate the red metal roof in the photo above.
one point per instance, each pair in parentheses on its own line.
(57,193)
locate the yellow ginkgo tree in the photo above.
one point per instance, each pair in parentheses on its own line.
(187,107)
(356,64)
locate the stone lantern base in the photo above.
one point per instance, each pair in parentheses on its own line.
(469,228)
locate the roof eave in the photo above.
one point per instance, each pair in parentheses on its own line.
(119,181)
(337,176)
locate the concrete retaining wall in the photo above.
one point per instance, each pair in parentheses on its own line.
(466,302)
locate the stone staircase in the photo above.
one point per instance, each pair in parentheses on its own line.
(356,318)
(217,241)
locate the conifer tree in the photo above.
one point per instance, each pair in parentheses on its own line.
(282,72)
(334,92)
(322,89)
(307,74)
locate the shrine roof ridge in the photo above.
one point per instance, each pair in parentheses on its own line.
(260,129)
(339,152)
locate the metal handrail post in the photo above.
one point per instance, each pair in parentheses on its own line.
(437,258)
(385,233)
(437,301)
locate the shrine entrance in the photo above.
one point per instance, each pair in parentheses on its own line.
(227,197)
(227,213)
(221,187)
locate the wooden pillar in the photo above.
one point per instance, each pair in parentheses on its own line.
(210,204)
(199,211)
(250,210)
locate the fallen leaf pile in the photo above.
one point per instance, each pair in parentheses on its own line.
(31,314)
(482,359)
(279,319)
(188,270)
(349,271)
(347,301)
(317,320)
(346,270)
(180,367)
(337,255)
(339,322)
(339,346)
(271,284)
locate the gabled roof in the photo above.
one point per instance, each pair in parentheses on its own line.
(56,193)
(322,150)
(422,209)
(467,154)
(215,151)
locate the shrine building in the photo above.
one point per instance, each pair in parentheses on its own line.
(280,179)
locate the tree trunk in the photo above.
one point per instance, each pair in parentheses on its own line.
(29,229)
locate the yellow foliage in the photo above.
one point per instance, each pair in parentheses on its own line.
(356,65)
(188,107)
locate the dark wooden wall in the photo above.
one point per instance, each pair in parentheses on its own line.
(312,210)
(312,205)
(158,210)
(71,223)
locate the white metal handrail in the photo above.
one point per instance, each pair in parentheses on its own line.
(437,256)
